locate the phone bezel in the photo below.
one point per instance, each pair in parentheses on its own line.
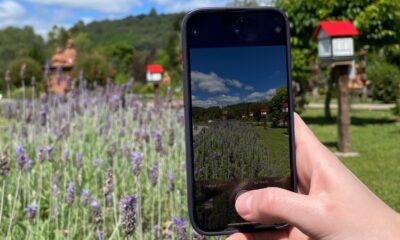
(188,117)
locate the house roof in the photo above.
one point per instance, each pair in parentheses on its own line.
(336,28)
(155,68)
(285,105)
(263,110)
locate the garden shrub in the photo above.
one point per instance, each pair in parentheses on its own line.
(32,69)
(95,67)
(385,78)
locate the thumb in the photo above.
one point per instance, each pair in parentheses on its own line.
(276,205)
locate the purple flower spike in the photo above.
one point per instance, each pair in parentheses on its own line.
(171,182)
(180,224)
(85,196)
(78,160)
(40,154)
(153,173)
(136,163)
(30,212)
(50,156)
(70,193)
(158,140)
(127,210)
(96,211)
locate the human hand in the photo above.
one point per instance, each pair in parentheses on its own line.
(331,204)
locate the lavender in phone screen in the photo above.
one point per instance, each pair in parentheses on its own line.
(240,128)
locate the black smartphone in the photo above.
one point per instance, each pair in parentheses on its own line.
(238,112)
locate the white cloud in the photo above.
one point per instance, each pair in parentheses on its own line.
(105,6)
(221,101)
(259,96)
(208,82)
(212,83)
(10,10)
(248,87)
(233,82)
(224,100)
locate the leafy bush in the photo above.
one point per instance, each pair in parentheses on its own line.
(396,109)
(96,68)
(32,69)
(385,79)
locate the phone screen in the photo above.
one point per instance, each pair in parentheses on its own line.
(240,125)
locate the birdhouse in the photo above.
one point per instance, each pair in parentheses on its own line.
(285,107)
(154,73)
(335,40)
(243,115)
(251,114)
(263,112)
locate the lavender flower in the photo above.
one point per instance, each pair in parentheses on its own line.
(70,193)
(30,212)
(97,163)
(56,184)
(136,162)
(171,182)
(19,151)
(40,154)
(180,224)
(127,210)
(96,211)
(4,167)
(9,111)
(50,156)
(27,164)
(85,196)
(153,173)
(58,74)
(78,160)
(108,186)
(23,161)
(158,140)
(144,135)
(47,68)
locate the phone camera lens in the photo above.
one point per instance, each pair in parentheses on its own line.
(195,32)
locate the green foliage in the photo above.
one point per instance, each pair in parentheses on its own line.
(244,3)
(121,55)
(96,68)
(16,43)
(143,88)
(379,23)
(396,109)
(32,69)
(275,106)
(385,78)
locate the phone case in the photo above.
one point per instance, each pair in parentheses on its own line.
(188,120)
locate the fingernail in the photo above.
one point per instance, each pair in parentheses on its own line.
(243,204)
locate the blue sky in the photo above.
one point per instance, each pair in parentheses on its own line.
(43,14)
(225,76)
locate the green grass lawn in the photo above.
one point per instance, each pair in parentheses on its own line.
(376,137)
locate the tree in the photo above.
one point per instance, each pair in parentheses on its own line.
(275,106)
(16,43)
(23,69)
(153,12)
(95,67)
(244,3)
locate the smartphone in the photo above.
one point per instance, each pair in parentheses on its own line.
(238,112)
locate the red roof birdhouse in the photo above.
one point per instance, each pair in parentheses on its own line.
(335,40)
(263,112)
(154,73)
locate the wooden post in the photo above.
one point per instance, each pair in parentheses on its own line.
(341,77)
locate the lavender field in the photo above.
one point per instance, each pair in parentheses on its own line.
(103,163)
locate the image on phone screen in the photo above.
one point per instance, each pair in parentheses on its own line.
(239,106)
